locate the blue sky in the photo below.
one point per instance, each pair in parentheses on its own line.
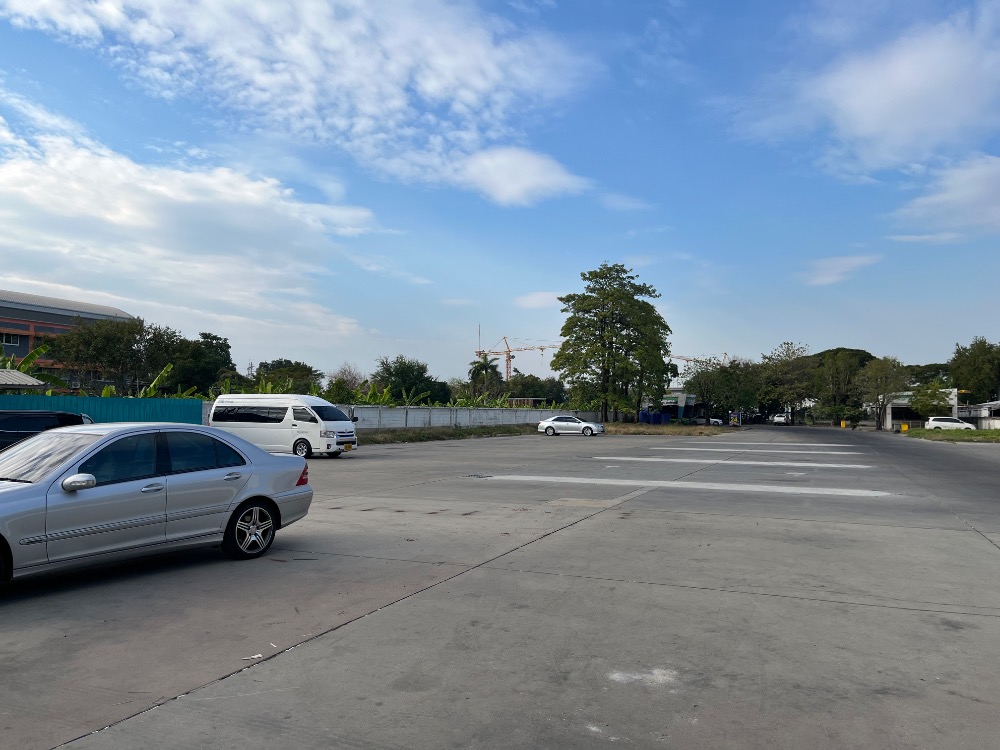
(337,181)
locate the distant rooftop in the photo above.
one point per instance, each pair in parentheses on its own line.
(16,379)
(55,305)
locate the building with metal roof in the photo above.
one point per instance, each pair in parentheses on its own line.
(16,380)
(24,318)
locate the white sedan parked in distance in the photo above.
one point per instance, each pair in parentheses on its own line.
(947,423)
(571,425)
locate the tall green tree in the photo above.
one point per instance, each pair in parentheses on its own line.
(615,344)
(129,353)
(521,385)
(787,378)
(304,378)
(879,383)
(835,380)
(201,363)
(976,368)
(404,376)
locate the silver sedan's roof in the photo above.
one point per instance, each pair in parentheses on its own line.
(108,428)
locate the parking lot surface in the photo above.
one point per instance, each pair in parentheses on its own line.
(772,587)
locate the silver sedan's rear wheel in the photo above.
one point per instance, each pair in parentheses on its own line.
(550,431)
(588,431)
(250,531)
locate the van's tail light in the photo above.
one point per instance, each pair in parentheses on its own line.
(303,477)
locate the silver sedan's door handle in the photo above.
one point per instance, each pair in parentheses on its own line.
(232,475)
(152,488)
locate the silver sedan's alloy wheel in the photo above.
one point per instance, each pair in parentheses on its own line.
(250,532)
(587,431)
(550,431)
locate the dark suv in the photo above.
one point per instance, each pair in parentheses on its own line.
(17,425)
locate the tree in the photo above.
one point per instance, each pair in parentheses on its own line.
(707,381)
(976,368)
(532,386)
(931,400)
(787,378)
(403,374)
(923,374)
(615,345)
(484,376)
(835,381)
(201,363)
(304,378)
(880,382)
(129,353)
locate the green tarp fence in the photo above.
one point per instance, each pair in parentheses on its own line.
(186,410)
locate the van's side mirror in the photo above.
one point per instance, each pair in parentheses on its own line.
(79,482)
(354,419)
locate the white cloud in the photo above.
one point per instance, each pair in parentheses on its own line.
(937,238)
(619,202)
(537,300)
(962,196)
(517,177)
(205,249)
(409,89)
(895,103)
(834,270)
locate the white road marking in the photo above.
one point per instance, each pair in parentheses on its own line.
(724,462)
(776,442)
(756,450)
(654,676)
(777,489)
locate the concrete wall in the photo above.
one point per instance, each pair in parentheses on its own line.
(394,417)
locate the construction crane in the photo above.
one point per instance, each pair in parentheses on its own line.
(509,350)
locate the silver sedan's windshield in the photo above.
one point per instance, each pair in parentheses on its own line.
(35,458)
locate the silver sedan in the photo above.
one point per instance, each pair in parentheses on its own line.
(568,424)
(91,494)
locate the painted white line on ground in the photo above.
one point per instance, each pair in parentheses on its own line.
(724,462)
(776,489)
(775,442)
(757,450)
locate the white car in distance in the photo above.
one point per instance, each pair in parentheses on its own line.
(947,423)
(572,425)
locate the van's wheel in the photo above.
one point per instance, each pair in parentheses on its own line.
(587,431)
(302,448)
(550,431)
(936,428)
(250,531)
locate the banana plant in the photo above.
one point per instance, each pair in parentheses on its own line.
(27,366)
(150,390)
(413,398)
(374,396)
(109,391)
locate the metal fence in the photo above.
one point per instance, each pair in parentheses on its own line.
(185,410)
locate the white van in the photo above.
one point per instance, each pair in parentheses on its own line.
(286,423)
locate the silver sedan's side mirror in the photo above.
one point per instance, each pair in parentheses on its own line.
(79,482)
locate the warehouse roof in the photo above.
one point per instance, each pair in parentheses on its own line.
(37,303)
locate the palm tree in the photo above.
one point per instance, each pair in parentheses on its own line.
(483,370)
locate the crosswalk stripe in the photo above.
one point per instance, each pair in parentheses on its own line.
(754,450)
(772,488)
(724,462)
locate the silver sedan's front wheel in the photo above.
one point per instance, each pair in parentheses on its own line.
(250,531)
(588,431)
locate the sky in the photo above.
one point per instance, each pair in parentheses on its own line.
(334,181)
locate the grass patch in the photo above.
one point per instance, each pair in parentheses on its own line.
(426,434)
(957,436)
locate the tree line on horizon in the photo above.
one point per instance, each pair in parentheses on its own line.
(614,359)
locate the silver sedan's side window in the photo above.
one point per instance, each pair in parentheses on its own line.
(192,451)
(129,458)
